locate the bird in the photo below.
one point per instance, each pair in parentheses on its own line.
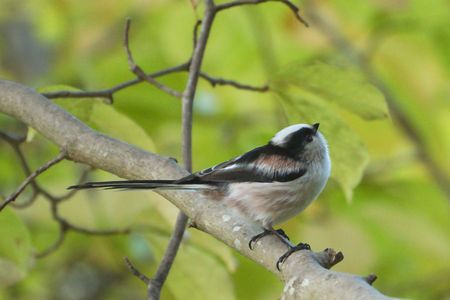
(267,185)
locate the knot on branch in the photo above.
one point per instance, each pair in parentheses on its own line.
(328,257)
(370,278)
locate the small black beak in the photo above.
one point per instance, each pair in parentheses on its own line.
(315,126)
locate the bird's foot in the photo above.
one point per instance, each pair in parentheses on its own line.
(279,233)
(292,249)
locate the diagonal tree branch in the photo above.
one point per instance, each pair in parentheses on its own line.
(84,145)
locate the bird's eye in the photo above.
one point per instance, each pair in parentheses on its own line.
(309,138)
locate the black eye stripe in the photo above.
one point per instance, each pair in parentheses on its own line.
(301,134)
(296,141)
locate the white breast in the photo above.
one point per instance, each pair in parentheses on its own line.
(275,202)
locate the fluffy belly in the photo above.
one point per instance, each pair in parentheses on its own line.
(272,203)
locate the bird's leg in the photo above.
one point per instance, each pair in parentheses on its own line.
(283,238)
(278,233)
(292,249)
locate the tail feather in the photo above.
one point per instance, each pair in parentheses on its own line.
(139,184)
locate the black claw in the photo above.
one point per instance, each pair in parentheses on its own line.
(304,246)
(257,237)
(279,233)
(300,246)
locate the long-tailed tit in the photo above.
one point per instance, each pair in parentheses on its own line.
(266,185)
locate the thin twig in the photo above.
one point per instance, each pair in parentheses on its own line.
(12,139)
(155,285)
(138,70)
(89,231)
(69,194)
(136,272)
(220,81)
(15,142)
(288,3)
(56,244)
(26,203)
(65,226)
(108,93)
(31,178)
(195,35)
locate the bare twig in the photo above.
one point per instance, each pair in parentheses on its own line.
(220,81)
(26,203)
(288,3)
(108,93)
(89,231)
(12,139)
(195,35)
(31,178)
(65,226)
(70,193)
(155,285)
(136,272)
(15,142)
(56,244)
(138,70)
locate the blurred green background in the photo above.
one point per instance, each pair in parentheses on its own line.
(381,208)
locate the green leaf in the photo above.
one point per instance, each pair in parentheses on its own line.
(348,154)
(196,273)
(15,248)
(31,133)
(346,88)
(214,247)
(108,120)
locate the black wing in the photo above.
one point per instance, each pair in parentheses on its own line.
(268,163)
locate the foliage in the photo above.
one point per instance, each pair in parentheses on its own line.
(310,89)
(397,225)
(15,249)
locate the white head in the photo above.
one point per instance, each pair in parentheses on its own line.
(304,140)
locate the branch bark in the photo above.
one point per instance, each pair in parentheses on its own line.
(305,273)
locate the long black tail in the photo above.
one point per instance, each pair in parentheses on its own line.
(139,184)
